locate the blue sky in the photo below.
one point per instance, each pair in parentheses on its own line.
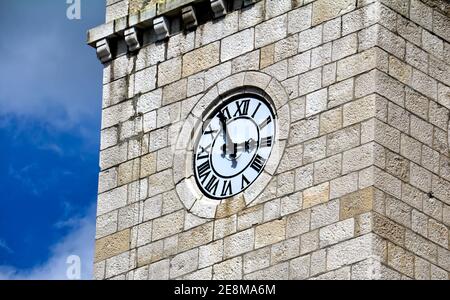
(50,98)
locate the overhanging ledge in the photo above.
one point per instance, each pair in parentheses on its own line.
(157,17)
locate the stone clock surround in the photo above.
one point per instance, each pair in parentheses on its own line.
(245,82)
(362,188)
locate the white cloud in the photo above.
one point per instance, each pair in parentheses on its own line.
(51,75)
(79,241)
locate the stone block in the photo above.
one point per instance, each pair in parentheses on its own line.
(168,225)
(270,31)
(184,263)
(250,217)
(343,139)
(420,178)
(360,18)
(327,169)
(316,102)
(388,229)
(299,64)
(224,227)
(343,185)
(331,120)
(276,272)
(270,233)
(424,84)
(169,71)
(356,203)
(337,232)
(304,130)
(299,19)
(315,150)
(112,245)
(397,166)
(195,237)
(112,200)
(316,195)
(228,270)
(210,254)
(420,246)
(358,158)
(345,46)
(349,252)
(285,250)
(321,55)
(237,44)
(214,31)
(310,38)
(238,243)
(416,57)
(324,214)
(256,260)
(359,63)
(310,81)
(324,10)
(359,110)
(145,80)
(117,265)
(201,59)
(438,233)
(400,260)
(300,268)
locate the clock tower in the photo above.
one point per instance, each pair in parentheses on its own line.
(274,139)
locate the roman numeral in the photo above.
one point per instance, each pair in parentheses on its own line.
(258,163)
(204,152)
(266,142)
(227,188)
(256,110)
(242,107)
(226,113)
(212,185)
(245,182)
(210,131)
(203,171)
(265,123)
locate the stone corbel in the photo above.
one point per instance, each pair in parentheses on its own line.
(189,17)
(103,51)
(161,26)
(132,39)
(218,7)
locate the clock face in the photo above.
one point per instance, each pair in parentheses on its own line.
(236,141)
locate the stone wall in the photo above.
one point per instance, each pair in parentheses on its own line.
(362,190)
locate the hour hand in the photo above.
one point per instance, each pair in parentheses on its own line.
(250,145)
(223,123)
(247,146)
(223,120)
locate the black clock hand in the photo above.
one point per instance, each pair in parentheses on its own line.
(247,146)
(223,122)
(229,145)
(250,145)
(226,136)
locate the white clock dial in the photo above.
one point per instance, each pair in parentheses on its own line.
(236,142)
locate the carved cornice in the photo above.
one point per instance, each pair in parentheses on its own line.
(132,39)
(189,17)
(103,51)
(156,16)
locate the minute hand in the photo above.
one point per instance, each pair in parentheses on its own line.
(229,145)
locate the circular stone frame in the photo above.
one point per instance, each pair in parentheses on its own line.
(251,82)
